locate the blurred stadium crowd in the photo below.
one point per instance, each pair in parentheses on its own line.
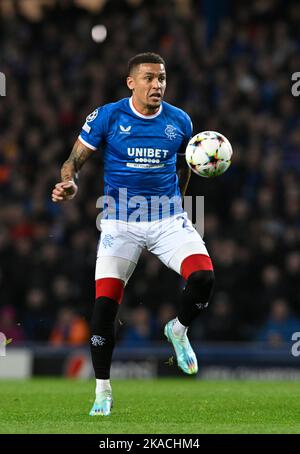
(231,71)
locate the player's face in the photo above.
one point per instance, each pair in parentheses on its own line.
(148,84)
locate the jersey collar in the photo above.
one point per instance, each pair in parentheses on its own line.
(147,117)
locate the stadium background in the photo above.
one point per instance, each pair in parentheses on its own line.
(229,65)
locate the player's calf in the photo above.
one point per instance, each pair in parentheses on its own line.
(109,292)
(102,340)
(198,271)
(196,295)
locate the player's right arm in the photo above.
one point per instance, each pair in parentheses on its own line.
(67,188)
(182,169)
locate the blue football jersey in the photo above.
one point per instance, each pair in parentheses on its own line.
(139,154)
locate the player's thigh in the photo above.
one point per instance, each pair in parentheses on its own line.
(118,251)
(116,267)
(177,240)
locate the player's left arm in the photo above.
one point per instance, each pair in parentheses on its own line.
(183,172)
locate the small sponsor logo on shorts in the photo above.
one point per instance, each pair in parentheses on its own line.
(108,241)
(98,341)
(184,221)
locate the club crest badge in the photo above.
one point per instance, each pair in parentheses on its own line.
(171,132)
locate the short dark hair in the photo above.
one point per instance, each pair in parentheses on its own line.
(146,57)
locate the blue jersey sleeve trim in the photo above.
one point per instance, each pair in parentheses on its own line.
(189,128)
(86,143)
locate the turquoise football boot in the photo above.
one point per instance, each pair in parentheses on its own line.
(102,405)
(186,358)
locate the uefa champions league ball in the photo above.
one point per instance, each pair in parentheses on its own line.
(208,154)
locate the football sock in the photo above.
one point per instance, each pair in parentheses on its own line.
(179,329)
(195,296)
(102,385)
(103,336)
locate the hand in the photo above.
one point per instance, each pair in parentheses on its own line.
(66,190)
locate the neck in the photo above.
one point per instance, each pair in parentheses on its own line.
(142,109)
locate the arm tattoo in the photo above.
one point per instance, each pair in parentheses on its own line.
(75,161)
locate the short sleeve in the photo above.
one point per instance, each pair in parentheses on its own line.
(93,130)
(188,131)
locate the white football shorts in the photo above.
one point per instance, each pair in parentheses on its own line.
(121,243)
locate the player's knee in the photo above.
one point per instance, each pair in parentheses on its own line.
(195,263)
(201,284)
(109,293)
(110,287)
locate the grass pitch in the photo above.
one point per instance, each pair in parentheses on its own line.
(162,406)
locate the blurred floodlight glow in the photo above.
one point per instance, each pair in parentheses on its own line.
(99,33)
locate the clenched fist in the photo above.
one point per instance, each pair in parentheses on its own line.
(66,190)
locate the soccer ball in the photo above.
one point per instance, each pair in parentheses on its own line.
(208,154)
